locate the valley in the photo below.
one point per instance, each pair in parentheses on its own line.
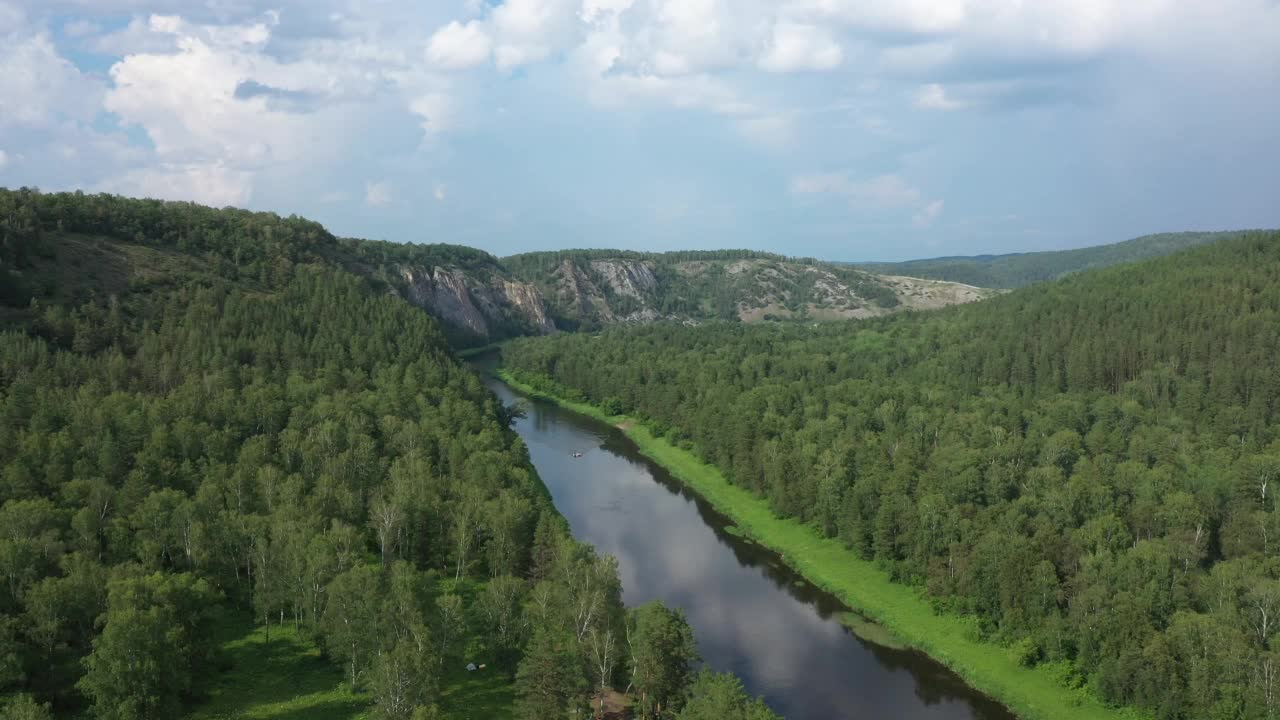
(750,611)
(228,428)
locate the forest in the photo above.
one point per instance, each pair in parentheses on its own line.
(1085,468)
(205,414)
(1021,269)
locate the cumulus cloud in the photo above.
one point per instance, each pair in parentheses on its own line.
(37,85)
(531,30)
(914,16)
(436,111)
(187,103)
(702,92)
(232,99)
(218,109)
(456,46)
(800,47)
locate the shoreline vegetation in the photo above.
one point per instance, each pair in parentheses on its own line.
(1033,693)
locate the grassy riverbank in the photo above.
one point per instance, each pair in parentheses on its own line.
(1033,693)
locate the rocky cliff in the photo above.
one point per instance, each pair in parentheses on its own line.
(487,309)
(591,289)
(490,299)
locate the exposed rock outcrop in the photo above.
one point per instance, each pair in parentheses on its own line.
(492,301)
(581,295)
(529,304)
(627,278)
(486,310)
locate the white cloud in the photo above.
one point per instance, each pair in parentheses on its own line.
(212,184)
(436,110)
(800,47)
(439,192)
(457,46)
(916,16)
(4,159)
(219,110)
(187,104)
(598,10)
(934,97)
(928,214)
(703,92)
(377,194)
(11,16)
(528,31)
(38,86)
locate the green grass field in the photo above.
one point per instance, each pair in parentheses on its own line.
(285,679)
(288,679)
(1032,693)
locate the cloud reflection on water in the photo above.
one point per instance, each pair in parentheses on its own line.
(748,618)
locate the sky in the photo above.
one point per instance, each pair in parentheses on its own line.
(840,129)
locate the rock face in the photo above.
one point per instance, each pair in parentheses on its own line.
(529,304)
(579,294)
(627,278)
(487,310)
(592,293)
(493,301)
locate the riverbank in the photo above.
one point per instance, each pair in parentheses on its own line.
(1033,693)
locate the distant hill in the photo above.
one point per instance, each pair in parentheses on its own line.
(588,289)
(106,245)
(1019,269)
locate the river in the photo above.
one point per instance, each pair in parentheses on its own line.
(751,614)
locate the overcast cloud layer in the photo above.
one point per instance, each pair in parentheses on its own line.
(845,129)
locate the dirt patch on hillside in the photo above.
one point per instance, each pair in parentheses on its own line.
(920,294)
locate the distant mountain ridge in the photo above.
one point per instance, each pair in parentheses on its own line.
(1015,270)
(479,298)
(589,289)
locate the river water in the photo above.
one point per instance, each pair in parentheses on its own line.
(751,614)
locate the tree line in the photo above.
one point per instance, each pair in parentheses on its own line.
(1086,468)
(1020,269)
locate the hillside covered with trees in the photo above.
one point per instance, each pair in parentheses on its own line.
(1020,269)
(591,289)
(206,413)
(1085,468)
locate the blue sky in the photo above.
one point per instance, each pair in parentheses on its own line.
(843,129)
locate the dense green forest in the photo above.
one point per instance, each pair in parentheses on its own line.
(1019,269)
(205,414)
(1085,467)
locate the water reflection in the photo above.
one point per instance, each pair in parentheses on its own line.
(750,613)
